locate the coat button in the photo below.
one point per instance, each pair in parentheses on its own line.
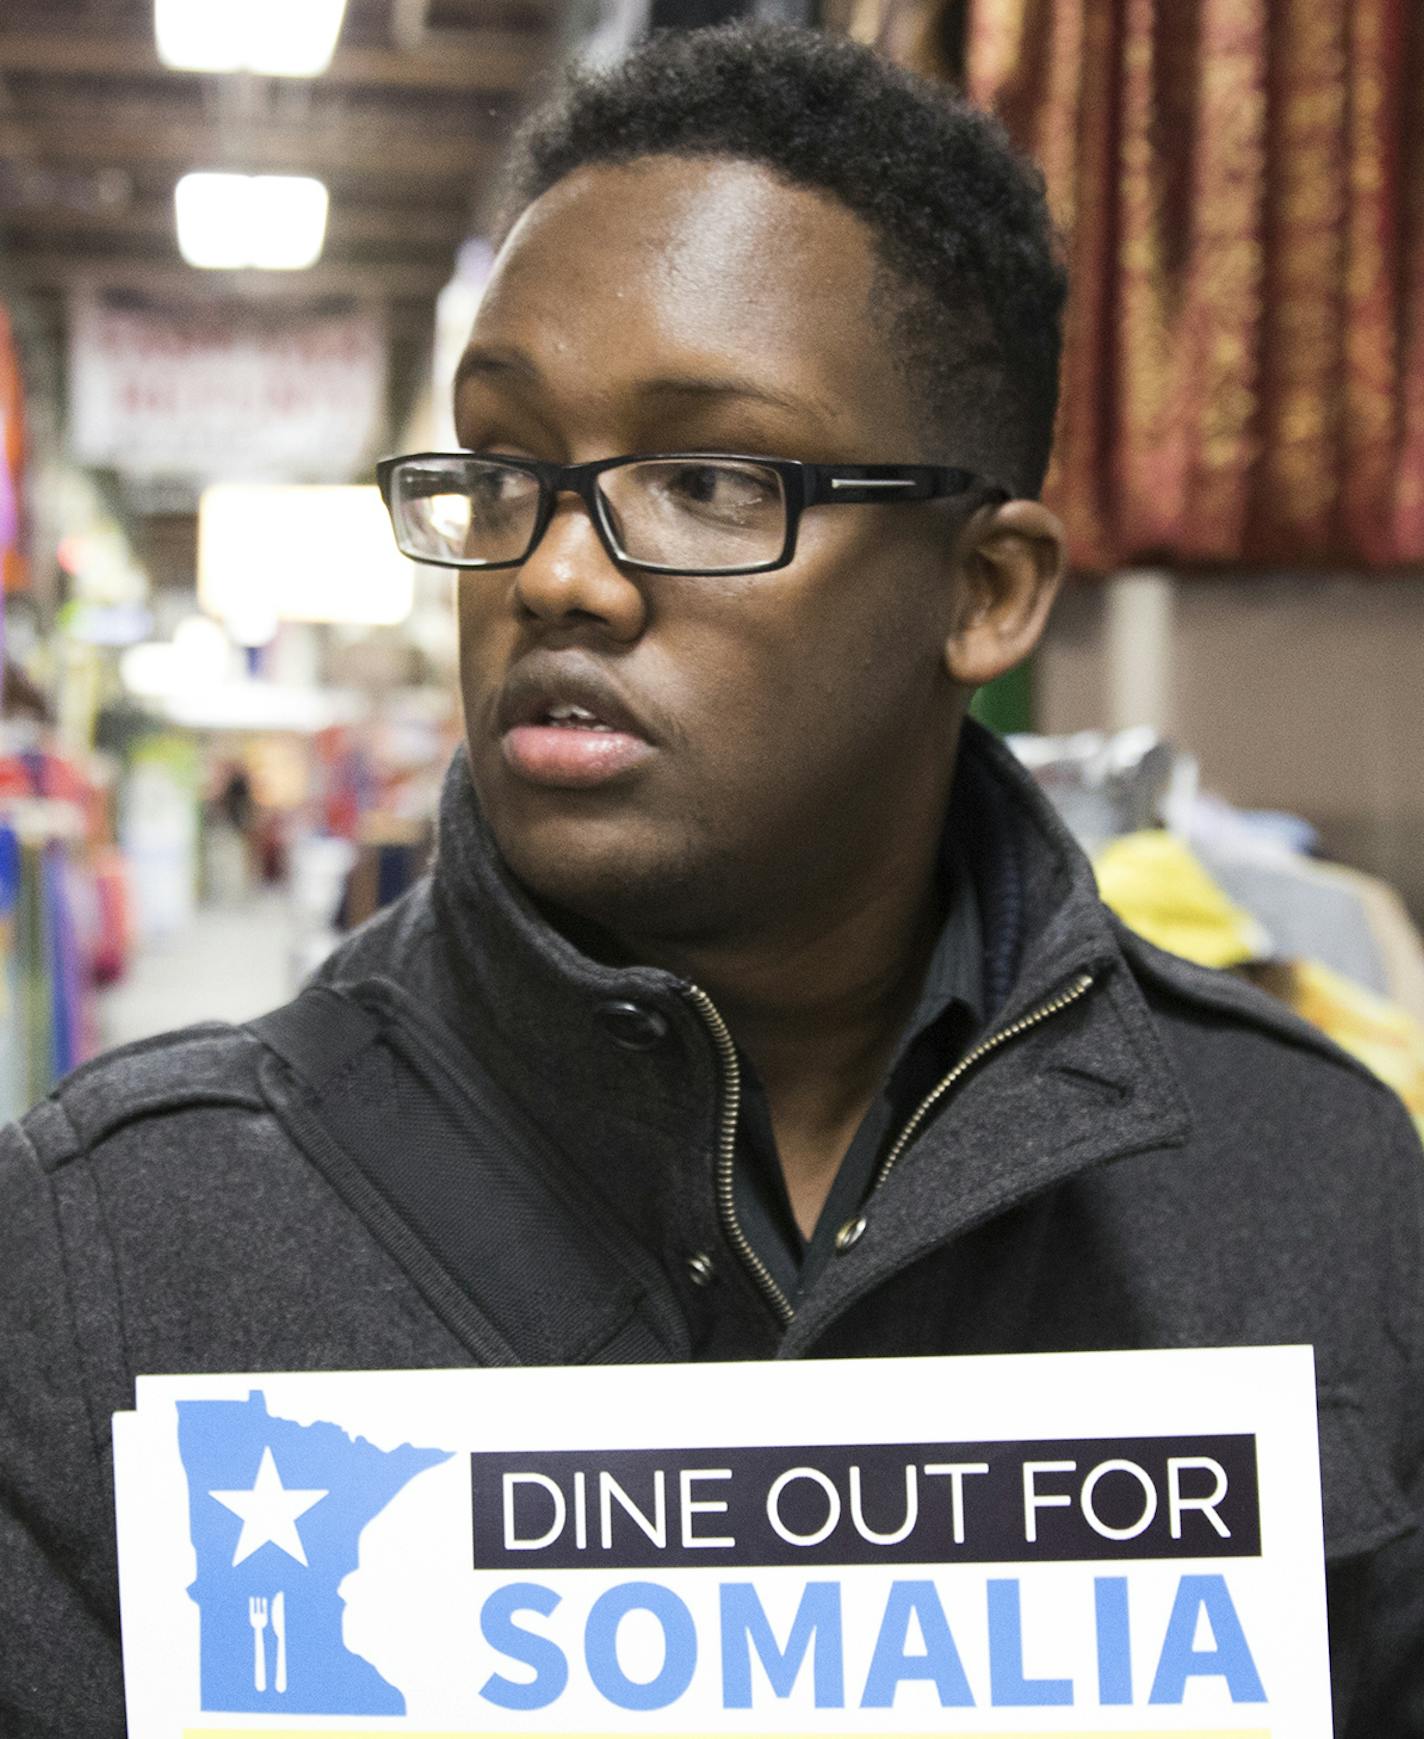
(632,1026)
(700,1269)
(850,1234)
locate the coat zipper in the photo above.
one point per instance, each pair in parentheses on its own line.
(726,1154)
(1065,998)
(731,1073)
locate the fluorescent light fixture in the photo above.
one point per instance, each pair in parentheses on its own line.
(276,222)
(198,36)
(283,38)
(291,38)
(214,219)
(288,222)
(304,552)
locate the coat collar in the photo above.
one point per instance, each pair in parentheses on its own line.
(1041,914)
(620,1071)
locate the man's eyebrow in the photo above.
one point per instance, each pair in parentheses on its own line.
(730,387)
(492,364)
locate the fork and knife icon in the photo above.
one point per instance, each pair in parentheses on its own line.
(257,1616)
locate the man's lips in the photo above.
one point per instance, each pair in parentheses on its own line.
(565,725)
(571,754)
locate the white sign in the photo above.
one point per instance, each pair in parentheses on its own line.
(187,393)
(1093,1543)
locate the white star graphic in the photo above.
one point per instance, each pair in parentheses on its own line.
(269,1512)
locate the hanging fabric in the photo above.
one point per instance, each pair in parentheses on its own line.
(1241,187)
(46,978)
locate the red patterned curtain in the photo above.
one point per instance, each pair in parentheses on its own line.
(1241,186)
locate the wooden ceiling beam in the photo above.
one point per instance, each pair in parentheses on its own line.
(366,281)
(383,152)
(493,61)
(415,227)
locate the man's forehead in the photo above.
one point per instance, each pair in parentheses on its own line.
(496,363)
(701,276)
(682,206)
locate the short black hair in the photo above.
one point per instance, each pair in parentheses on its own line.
(972,284)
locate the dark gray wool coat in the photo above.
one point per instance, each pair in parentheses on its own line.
(488,1148)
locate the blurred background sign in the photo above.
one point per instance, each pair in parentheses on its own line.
(179,390)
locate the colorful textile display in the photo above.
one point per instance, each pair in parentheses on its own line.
(48,923)
(13,570)
(44,1014)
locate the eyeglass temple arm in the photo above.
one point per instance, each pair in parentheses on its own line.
(875,483)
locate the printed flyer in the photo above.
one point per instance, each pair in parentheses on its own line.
(1122,1544)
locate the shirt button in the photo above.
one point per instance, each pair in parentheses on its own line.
(850,1234)
(700,1269)
(632,1026)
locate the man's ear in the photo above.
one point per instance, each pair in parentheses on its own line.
(1009,572)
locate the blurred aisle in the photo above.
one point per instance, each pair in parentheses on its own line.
(233,962)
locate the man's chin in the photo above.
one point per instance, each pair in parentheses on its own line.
(616,880)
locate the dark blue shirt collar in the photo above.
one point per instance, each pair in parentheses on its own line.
(949,1012)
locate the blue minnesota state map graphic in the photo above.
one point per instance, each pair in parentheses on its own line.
(276,1511)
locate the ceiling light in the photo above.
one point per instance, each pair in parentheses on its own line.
(198,36)
(285,38)
(276,222)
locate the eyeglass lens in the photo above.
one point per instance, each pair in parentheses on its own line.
(464,510)
(701,514)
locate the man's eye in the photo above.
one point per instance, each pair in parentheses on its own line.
(722,488)
(495,485)
(493,488)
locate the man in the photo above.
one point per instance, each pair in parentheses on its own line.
(758,1006)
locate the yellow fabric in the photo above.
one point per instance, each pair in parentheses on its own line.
(1156,886)
(1159,889)
(1384,1037)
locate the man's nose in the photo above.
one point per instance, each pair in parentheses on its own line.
(571,577)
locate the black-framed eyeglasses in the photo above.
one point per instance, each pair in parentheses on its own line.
(666,513)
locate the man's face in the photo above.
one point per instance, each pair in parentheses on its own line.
(777,736)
